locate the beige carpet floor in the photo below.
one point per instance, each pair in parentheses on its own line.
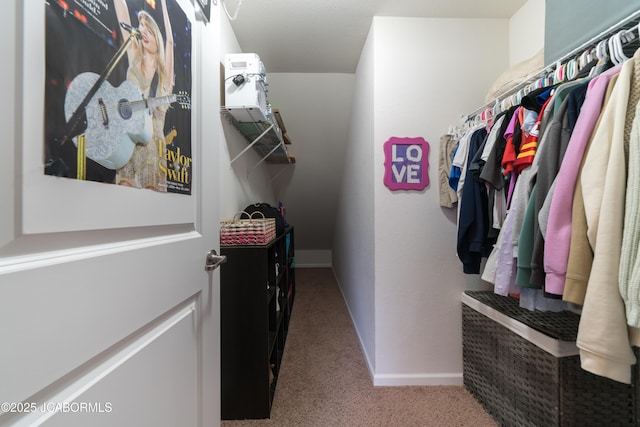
(324,380)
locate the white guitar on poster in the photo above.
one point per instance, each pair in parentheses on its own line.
(117,118)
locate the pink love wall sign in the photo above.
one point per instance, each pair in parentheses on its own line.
(406,163)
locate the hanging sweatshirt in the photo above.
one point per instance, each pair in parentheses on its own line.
(501,262)
(525,244)
(472,221)
(550,158)
(523,206)
(495,196)
(529,143)
(580,250)
(504,262)
(630,259)
(501,265)
(460,161)
(556,248)
(492,173)
(629,269)
(447,195)
(603,335)
(513,137)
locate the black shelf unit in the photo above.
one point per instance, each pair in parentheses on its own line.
(256,298)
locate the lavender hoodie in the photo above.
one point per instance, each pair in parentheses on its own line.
(556,249)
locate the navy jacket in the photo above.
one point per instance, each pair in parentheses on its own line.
(473,224)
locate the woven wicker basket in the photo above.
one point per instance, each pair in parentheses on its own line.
(248,231)
(520,384)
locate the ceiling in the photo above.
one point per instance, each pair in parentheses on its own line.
(327,36)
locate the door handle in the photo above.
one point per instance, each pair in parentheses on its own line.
(214,260)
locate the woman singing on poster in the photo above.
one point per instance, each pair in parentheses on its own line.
(151,69)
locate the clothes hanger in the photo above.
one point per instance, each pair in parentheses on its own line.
(586,57)
(602,56)
(517,97)
(601,52)
(628,36)
(515,100)
(489,114)
(612,50)
(542,82)
(615,48)
(496,108)
(504,105)
(572,69)
(556,73)
(618,39)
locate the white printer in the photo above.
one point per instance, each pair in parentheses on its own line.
(246,87)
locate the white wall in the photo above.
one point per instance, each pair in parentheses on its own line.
(526,31)
(353,248)
(396,261)
(240,183)
(316,110)
(418,277)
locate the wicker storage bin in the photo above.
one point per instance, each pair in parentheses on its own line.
(537,380)
(253,230)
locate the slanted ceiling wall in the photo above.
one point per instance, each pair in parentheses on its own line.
(316,110)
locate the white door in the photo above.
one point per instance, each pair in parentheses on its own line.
(107,315)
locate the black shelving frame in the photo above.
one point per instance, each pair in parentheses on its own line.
(256,298)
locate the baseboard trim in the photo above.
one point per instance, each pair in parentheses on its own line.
(417,379)
(355,326)
(313,258)
(397,380)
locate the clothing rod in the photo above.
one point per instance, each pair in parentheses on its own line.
(620,25)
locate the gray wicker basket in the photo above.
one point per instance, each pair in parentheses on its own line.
(520,384)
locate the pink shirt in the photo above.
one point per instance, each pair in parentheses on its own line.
(556,248)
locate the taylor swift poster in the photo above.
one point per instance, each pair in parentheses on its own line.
(117,93)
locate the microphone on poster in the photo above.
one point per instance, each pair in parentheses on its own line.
(132,30)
